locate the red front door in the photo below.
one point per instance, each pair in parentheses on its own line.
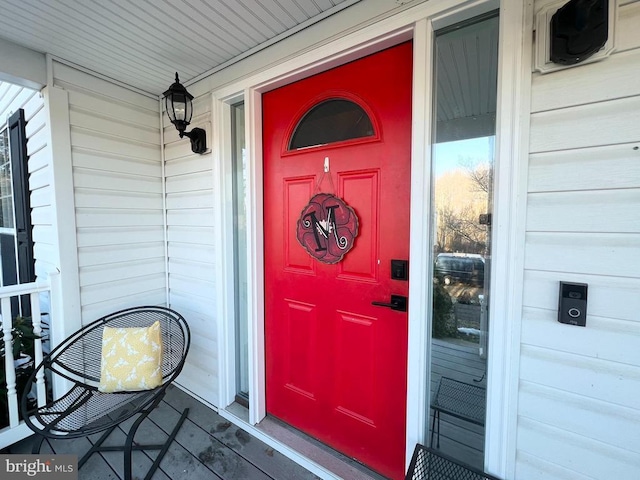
(335,363)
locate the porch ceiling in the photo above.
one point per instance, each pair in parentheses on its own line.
(143,43)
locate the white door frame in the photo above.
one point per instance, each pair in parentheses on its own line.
(514,78)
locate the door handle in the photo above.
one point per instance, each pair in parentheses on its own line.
(398,302)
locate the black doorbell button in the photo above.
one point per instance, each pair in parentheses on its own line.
(572,304)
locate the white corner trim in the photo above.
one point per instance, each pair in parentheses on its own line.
(221,142)
(165,222)
(255,260)
(418,371)
(542,61)
(510,187)
(63,209)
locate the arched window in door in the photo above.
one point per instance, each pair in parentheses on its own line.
(331,121)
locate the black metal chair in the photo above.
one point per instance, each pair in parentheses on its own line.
(460,400)
(84,410)
(429,464)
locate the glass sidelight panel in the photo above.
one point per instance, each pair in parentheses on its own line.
(240,253)
(466,62)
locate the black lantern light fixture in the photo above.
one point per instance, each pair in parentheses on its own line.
(178,103)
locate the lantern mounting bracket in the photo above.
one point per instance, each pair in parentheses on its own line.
(198,139)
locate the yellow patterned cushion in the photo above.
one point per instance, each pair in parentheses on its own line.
(131,359)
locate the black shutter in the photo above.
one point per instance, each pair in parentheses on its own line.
(8,255)
(21,202)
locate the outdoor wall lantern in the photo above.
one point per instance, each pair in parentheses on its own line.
(180,109)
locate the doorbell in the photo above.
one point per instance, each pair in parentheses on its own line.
(572,305)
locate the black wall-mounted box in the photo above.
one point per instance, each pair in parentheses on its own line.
(578,30)
(572,304)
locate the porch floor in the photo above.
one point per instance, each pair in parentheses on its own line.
(206,447)
(209,447)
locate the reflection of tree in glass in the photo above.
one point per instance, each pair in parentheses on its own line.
(481,174)
(461,195)
(442,308)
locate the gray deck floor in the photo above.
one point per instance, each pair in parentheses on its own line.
(207,447)
(210,447)
(459,360)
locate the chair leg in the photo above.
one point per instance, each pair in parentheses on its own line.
(433,426)
(37,444)
(96,447)
(436,415)
(167,444)
(129,445)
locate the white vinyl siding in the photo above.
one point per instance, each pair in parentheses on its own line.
(190,188)
(39,167)
(117,181)
(579,408)
(13,98)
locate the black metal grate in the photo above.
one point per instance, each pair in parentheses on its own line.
(460,399)
(429,464)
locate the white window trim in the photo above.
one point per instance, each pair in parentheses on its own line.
(514,77)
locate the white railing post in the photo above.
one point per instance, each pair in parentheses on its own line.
(57,332)
(17,430)
(10,369)
(36,320)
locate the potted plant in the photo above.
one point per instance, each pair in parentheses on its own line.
(23,355)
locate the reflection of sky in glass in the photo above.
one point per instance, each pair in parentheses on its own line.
(459,154)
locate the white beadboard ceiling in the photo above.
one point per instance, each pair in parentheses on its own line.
(142,43)
(466,71)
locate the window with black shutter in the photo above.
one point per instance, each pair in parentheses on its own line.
(16,245)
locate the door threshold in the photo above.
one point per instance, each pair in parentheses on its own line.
(304,446)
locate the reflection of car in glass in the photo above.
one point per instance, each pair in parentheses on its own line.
(460,267)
